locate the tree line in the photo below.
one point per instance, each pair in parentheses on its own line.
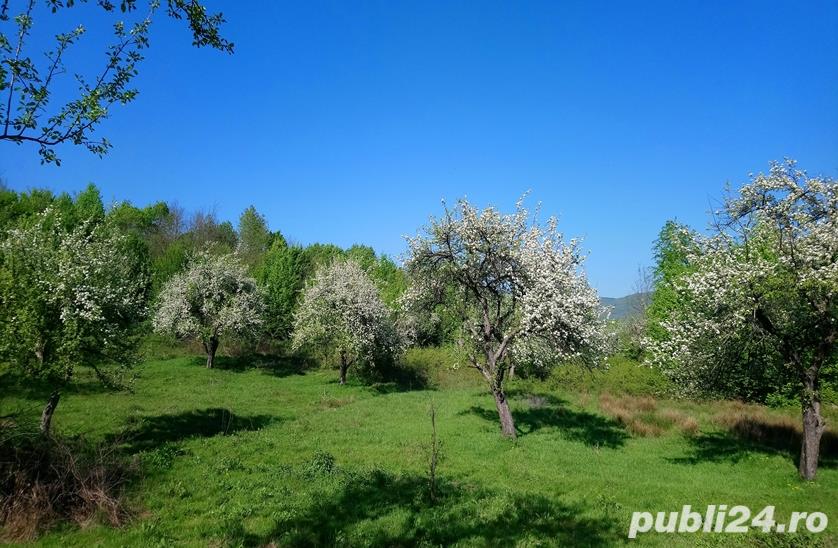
(744,310)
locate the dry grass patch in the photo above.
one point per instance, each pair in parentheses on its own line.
(642,417)
(755,423)
(327,401)
(45,480)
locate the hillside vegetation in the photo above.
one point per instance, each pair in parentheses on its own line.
(261,450)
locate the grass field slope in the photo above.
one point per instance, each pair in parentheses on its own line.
(262,452)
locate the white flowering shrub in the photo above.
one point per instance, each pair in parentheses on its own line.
(767,276)
(341,311)
(213,298)
(519,290)
(70,297)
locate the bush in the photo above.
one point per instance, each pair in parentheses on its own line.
(621,376)
(441,366)
(46,479)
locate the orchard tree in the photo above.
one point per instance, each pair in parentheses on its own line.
(341,311)
(35,108)
(214,297)
(517,288)
(767,274)
(69,297)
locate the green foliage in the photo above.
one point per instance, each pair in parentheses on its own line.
(387,275)
(283,275)
(364,255)
(670,251)
(254,238)
(390,279)
(29,87)
(207,233)
(751,370)
(284,270)
(442,367)
(88,204)
(321,464)
(319,255)
(621,376)
(70,297)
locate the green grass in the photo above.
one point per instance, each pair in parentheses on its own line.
(261,452)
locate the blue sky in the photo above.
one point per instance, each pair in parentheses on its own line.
(347,122)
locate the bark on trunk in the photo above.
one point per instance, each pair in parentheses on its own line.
(507,425)
(813,426)
(344,365)
(49,410)
(211,347)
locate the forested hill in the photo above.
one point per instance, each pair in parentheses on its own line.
(623,306)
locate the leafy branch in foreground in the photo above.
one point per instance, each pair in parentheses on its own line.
(31,111)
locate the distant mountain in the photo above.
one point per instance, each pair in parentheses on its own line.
(623,307)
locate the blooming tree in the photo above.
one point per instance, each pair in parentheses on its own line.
(69,297)
(341,310)
(768,275)
(213,297)
(519,292)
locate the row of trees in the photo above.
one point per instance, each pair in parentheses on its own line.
(740,311)
(508,289)
(81,284)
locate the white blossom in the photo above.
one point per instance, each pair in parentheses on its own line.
(767,276)
(773,258)
(212,298)
(341,311)
(72,296)
(521,286)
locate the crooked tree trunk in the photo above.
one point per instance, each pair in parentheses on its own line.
(494,377)
(344,365)
(49,410)
(211,346)
(813,425)
(507,425)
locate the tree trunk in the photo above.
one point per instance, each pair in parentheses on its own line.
(813,425)
(344,365)
(507,425)
(49,410)
(211,346)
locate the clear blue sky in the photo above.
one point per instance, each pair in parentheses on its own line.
(347,122)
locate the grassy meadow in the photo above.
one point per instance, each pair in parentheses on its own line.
(262,451)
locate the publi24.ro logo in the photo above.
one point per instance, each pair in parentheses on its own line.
(720,519)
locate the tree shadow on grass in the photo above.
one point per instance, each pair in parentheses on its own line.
(748,437)
(39,389)
(381,509)
(548,411)
(278,366)
(399,379)
(144,433)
